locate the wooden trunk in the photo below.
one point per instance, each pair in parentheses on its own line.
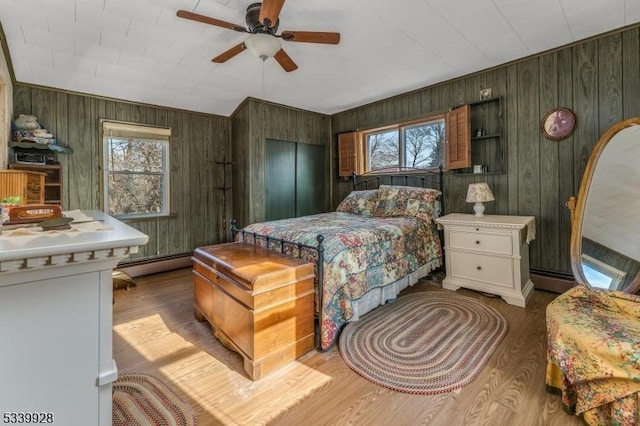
(259,303)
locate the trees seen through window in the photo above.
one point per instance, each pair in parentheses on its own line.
(417,145)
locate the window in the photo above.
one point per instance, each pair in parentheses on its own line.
(426,144)
(135,163)
(417,144)
(601,275)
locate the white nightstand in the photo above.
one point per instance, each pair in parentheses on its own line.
(489,254)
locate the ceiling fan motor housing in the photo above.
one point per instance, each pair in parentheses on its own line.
(253,23)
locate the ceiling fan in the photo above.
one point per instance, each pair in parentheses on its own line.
(262,24)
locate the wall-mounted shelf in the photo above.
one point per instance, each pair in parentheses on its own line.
(477,174)
(493,136)
(40,146)
(485,101)
(488,149)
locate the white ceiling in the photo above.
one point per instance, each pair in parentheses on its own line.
(138,50)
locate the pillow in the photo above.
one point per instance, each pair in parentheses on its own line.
(406,201)
(359,202)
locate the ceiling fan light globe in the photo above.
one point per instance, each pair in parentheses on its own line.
(263,45)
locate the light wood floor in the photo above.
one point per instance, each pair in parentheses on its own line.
(155,332)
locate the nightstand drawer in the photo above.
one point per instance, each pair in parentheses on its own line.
(478,241)
(493,270)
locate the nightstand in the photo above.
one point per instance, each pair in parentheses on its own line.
(489,254)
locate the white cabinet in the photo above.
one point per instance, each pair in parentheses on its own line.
(56,322)
(489,254)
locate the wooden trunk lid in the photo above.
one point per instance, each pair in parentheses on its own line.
(255,268)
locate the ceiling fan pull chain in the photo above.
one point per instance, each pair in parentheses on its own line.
(264,90)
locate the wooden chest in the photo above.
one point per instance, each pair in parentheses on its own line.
(259,303)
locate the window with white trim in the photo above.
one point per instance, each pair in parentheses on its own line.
(135,165)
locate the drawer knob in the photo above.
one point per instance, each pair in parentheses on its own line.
(477,241)
(477,229)
(479,268)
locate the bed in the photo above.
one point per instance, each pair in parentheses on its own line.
(377,243)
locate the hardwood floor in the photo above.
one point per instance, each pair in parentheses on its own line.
(155,332)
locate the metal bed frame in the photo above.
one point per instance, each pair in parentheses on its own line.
(315,254)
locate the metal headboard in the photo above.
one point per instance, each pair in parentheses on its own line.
(403,176)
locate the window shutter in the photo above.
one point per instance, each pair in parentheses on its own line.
(458,143)
(350,158)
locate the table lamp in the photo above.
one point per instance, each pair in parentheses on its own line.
(479,193)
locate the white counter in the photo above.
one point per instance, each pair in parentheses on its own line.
(56,248)
(56,353)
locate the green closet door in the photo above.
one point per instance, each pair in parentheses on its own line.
(310,182)
(280,180)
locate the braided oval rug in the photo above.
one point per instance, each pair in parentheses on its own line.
(424,343)
(143,400)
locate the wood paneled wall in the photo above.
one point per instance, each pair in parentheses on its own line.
(253,123)
(199,143)
(599,79)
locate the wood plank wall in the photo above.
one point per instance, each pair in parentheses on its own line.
(253,123)
(599,79)
(199,142)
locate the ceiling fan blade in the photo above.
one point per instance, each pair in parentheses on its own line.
(211,21)
(285,61)
(225,56)
(311,37)
(270,10)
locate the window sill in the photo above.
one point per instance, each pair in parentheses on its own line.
(399,171)
(145,218)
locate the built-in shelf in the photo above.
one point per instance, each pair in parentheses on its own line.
(493,136)
(485,101)
(487,150)
(483,173)
(44,146)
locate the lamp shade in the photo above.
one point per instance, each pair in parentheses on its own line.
(262,45)
(479,192)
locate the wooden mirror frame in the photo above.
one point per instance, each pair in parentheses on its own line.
(580,203)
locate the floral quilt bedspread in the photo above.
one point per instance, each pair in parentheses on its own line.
(361,253)
(593,355)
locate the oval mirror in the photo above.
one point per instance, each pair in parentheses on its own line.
(605,239)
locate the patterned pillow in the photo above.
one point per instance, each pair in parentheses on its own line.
(406,201)
(359,202)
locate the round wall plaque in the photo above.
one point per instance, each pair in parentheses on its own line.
(559,123)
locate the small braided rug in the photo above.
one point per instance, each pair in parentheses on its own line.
(143,400)
(424,343)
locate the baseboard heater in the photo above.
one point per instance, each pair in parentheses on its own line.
(543,280)
(156,265)
(552,281)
